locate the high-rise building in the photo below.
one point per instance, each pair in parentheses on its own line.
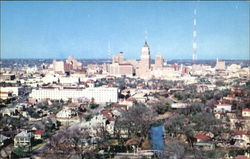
(159,61)
(58,66)
(76,65)
(145,57)
(118,59)
(67,66)
(220,65)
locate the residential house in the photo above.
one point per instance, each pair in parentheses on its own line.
(246,113)
(204,142)
(178,105)
(119,106)
(242,138)
(66,113)
(3,139)
(38,134)
(9,112)
(110,120)
(23,139)
(5,95)
(223,108)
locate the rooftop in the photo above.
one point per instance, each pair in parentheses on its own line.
(246,110)
(241,157)
(224,105)
(23,134)
(39,132)
(202,137)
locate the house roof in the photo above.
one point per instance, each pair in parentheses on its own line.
(151,102)
(140,85)
(4,92)
(108,115)
(119,105)
(29,103)
(132,141)
(240,132)
(246,110)
(202,137)
(2,137)
(224,105)
(241,157)
(39,132)
(110,118)
(106,112)
(24,134)
(131,99)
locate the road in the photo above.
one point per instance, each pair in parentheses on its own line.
(20,99)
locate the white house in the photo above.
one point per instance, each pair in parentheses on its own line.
(222,108)
(14,90)
(23,139)
(179,105)
(5,95)
(99,121)
(66,113)
(8,111)
(246,113)
(242,139)
(38,134)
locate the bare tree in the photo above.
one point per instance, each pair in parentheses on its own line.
(68,141)
(136,120)
(174,149)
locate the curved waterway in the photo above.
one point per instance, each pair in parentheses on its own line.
(157,137)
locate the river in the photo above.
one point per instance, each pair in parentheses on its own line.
(157,137)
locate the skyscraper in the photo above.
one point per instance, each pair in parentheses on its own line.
(159,61)
(145,57)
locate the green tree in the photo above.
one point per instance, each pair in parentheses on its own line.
(161,108)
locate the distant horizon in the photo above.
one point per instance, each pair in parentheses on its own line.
(99,29)
(110,59)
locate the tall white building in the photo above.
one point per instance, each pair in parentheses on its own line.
(144,70)
(99,94)
(58,66)
(145,57)
(159,61)
(220,65)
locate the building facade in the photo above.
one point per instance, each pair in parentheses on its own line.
(99,94)
(23,139)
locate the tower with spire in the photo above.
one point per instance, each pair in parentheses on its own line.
(145,57)
(145,54)
(109,52)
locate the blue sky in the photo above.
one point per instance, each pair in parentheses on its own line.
(83,29)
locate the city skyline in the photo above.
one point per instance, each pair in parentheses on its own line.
(84,29)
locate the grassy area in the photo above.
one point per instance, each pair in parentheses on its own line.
(38,146)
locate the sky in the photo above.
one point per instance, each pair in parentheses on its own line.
(84,29)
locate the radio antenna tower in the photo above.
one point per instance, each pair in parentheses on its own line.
(109,52)
(146,35)
(194,38)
